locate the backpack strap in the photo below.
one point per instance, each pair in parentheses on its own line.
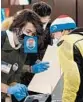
(3,38)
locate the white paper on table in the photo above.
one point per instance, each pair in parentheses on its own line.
(46,81)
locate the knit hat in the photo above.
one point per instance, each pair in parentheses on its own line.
(63,22)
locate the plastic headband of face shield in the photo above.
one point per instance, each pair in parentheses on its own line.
(57,28)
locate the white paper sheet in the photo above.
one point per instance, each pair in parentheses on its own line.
(45,82)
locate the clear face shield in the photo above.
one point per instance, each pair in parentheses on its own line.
(55,41)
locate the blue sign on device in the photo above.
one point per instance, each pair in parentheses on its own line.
(30,44)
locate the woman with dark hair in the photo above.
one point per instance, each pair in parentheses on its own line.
(35,29)
(27,23)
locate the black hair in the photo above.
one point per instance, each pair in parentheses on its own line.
(42,9)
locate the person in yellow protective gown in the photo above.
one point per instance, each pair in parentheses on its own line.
(8,21)
(69,40)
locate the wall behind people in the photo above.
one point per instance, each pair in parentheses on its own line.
(64,7)
(80,12)
(72,8)
(4,3)
(14,9)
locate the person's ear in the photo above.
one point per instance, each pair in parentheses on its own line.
(52,36)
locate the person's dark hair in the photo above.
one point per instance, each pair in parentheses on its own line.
(26,16)
(42,9)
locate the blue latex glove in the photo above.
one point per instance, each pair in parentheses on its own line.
(20,91)
(40,67)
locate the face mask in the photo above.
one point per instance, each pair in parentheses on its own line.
(26,34)
(55,41)
(44,26)
(23,35)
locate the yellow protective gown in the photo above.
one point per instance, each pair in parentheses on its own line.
(69,66)
(6,23)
